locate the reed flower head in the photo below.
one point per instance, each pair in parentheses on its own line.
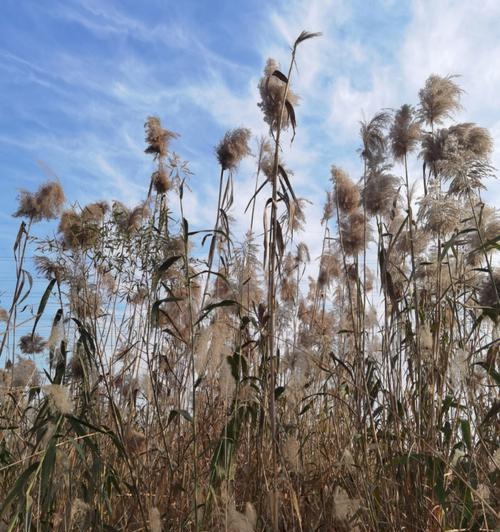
(380,193)
(405,132)
(45,204)
(137,216)
(272,93)
(433,149)
(155,519)
(161,180)
(157,138)
(76,231)
(302,256)
(296,215)
(329,207)
(440,213)
(439,99)
(24,373)
(134,441)
(94,212)
(233,148)
(31,344)
(473,138)
(241,522)
(461,154)
(374,139)
(50,269)
(344,506)
(60,398)
(489,229)
(489,294)
(354,235)
(346,192)
(329,269)
(4,315)
(79,513)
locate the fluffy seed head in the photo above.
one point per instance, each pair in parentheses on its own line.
(329,269)
(352,231)
(473,138)
(79,512)
(489,226)
(155,519)
(137,216)
(45,204)
(135,442)
(405,132)
(374,139)
(233,148)
(76,232)
(489,293)
(60,398)
(302,256)
(157,138)
(24,373)
(439,99)
(272,92)
(161,181)
(94,212)
(440,213)
(49,268)
(31,344)
(329,207)
(346,192)
(238,522)
(380,193)
(433,148)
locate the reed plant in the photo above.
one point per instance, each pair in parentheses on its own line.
(193,382)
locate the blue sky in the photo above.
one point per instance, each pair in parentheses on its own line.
(79,77)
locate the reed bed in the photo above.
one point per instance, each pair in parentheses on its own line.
(189,382)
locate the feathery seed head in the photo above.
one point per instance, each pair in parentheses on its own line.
(233,148)
(489,294)
(157,138)
(346,192)
(380,193)
(439,99)
(45,204)
(31,344)
(405,132)
(161,180)
(272,93)
(60,398)
(353,232)
(24,373)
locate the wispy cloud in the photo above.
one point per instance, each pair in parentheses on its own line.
(80,105)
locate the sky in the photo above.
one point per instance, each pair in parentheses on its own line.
(78,79)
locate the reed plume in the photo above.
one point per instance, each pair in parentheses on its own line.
(45,204)
(346,192)
(233,148)
(404,133)
(272,94)
(439,99)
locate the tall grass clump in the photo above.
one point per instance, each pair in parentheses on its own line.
(191,381)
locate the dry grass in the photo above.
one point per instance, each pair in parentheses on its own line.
(197,387)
